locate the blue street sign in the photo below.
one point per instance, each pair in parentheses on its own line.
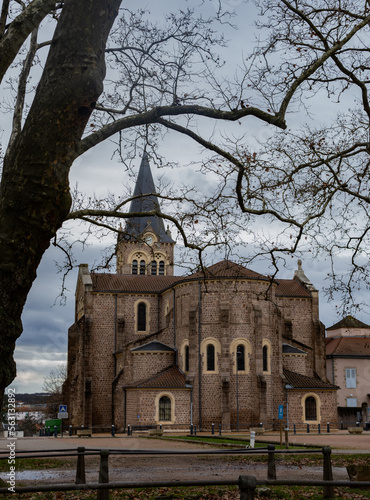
(62,408)
(281,412)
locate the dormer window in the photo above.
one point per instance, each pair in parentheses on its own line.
(134,266)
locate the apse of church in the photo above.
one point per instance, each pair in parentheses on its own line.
(222,346)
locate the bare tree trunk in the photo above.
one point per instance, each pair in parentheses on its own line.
(34,192)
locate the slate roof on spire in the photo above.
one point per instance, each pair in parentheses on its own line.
(145,186)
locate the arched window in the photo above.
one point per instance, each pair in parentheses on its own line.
(134,267)
(142,267)
(265,358)
(240,358)
(310,408)
(186,358)
(161,267)
(210,358)
(165,409)
(141,317)
(154,268)
(240,354)
(210,350)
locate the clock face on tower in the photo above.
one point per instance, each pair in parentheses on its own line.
(148,239)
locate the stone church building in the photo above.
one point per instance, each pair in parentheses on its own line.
(224,346)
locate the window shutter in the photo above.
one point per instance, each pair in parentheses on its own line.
(351,378)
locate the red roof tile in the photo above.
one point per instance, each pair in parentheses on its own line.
(347,346)
(171,378)
(348,322)
(291,288)
(103,282)
(299,381)
(227,269)
(131,283)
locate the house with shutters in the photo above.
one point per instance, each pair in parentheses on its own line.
(348,366)
(224,345)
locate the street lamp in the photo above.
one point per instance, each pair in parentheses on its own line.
(237,357)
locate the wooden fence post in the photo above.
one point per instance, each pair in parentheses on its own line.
(103,475)
(80,471)
(328,491)
(271,466)
(247,485)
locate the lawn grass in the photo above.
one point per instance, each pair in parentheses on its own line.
(223,441)
(214,440)
(37,464)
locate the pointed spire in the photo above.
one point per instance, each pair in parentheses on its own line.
(145,186)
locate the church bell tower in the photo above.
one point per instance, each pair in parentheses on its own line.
(144,247)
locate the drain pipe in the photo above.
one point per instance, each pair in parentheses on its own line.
(125,414)
(115,334)
(174,325)
(191,405)
(114,354)
(199,355)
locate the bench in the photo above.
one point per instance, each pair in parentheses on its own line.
(155,432)
(143,427)
(355,430)
(257,430)
(84,432)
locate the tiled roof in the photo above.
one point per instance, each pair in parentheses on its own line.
(348,346)
(153,346)
(291,288)
(131,283)
(104,282)
(289,349)
(348,322)
(171,378)
(227,269)
(299,381)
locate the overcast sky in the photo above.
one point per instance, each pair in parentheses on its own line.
(43,344)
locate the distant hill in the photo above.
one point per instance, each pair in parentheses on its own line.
(33,399)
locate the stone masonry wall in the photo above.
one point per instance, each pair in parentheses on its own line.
(326,408)
(146,364)
(227,312)
(297,364)
(141,407)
